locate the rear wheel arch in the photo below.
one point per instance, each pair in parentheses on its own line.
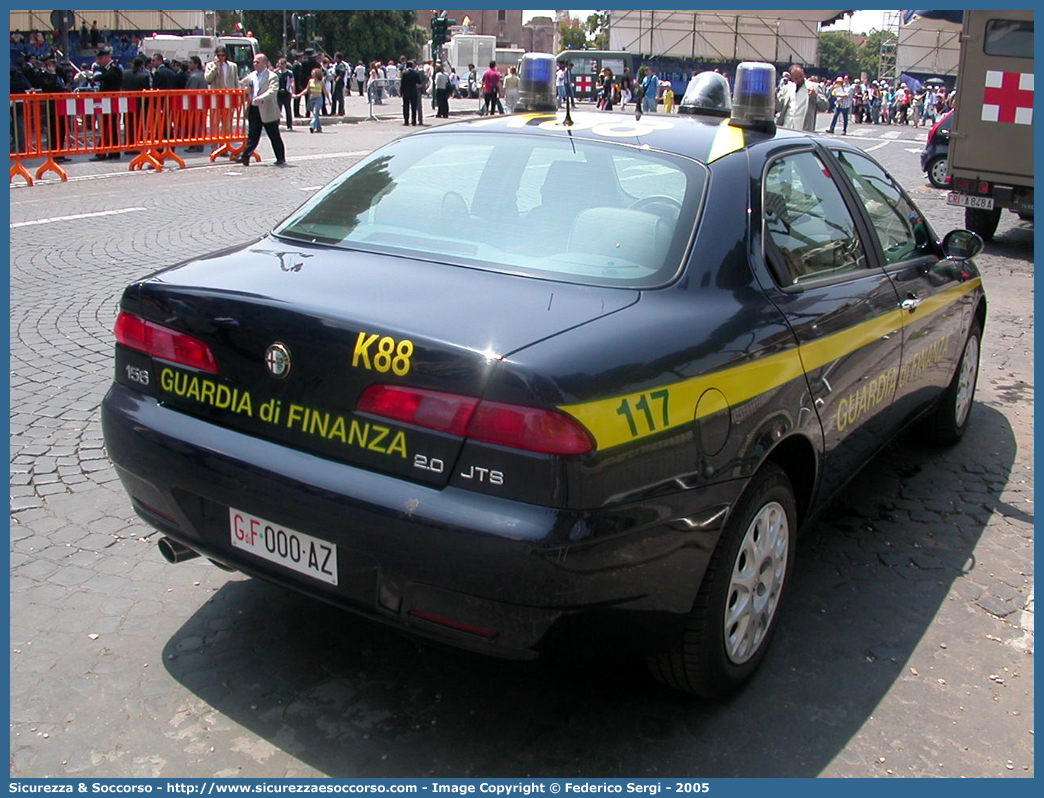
(797,457)
(732,620)
(980,313)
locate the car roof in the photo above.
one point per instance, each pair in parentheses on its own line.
(701,137)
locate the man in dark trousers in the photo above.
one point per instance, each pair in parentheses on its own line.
(163,78)
(340,68)
(180,75)
(263,97)
(20,84)
(108,77)
(411,83)
(301,76)
(137,78)
(287,89)
(442,90)
(49,81)
(491,91)
(162,75)
(310,63)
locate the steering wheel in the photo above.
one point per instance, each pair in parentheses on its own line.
(660,204)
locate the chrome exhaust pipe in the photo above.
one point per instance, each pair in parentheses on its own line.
(174,552)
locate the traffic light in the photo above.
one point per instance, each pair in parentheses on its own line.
(438,31)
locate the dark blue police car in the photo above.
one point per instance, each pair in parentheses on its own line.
(591,422)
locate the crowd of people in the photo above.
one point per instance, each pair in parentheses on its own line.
(799,98)
(647,90)
(875,102)
(380,81)
(879,103)
(49,75)
(84,42)
(323,83)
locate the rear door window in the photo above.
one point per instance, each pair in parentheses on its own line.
(900,228)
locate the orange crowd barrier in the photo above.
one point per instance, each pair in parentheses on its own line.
(149,123)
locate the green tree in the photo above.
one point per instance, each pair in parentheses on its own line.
(573,35)
(369,35)
(838,54)
(870,53)
(226,22)
(267,27)
(597,26)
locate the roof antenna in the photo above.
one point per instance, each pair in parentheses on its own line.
(568,67)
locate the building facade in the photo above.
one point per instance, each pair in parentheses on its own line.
(539,35)
(505,25)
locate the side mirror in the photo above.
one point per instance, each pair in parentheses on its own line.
(962,244)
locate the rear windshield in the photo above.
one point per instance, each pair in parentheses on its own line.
(561,209)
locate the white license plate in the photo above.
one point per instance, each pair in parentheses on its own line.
(982,203)
(287,547)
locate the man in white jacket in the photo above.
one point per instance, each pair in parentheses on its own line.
(798,101)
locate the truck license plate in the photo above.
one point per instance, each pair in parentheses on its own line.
(294,550)
(982,203)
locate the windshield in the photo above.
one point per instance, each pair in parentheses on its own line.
(561,209)
(242,55)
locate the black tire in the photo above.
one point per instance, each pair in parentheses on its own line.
(710,661)
(982,222)
(936,170)
(945,425)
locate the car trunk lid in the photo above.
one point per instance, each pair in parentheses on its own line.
(298,333)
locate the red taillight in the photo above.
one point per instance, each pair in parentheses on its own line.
(530,428)
(162,342)
(445,412)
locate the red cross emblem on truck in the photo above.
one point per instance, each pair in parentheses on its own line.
(583,83)
(1008,97)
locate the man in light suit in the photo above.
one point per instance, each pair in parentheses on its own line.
(220,72)
(798,102)
(262,88)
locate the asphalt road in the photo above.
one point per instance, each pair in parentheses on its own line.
(905,649)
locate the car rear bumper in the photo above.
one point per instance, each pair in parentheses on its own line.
(512,579)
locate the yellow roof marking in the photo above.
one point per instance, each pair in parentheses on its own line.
(727,139)
(745,381)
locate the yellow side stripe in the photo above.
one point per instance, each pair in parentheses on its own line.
(616,420)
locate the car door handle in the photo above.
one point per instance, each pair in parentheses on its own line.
(911,303)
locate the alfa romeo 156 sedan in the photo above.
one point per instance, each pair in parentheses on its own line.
(587,423)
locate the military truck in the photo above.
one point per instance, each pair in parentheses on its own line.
(991,141)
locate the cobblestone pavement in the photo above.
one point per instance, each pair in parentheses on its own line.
(906,648)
